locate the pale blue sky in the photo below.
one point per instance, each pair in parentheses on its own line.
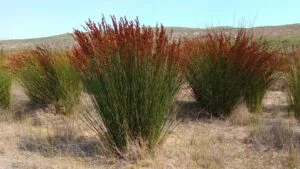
(39,18)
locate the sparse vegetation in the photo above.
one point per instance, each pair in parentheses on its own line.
(132,72)
(48,78)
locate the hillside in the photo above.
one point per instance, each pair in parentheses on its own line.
(290,34)
(62,41)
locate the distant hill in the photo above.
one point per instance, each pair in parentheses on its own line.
(62,41)
(290,34)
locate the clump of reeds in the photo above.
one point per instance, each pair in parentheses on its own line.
(132,73)
(48,77)
(225,68)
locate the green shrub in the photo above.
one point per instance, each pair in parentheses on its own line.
(48,77)
(225,68)
(132,74)
(5,84)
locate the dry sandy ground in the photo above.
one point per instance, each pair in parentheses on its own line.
(47,141)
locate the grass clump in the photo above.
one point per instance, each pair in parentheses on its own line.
(48,77)
(224,69)
(132,73)
(293,76)
(5,83)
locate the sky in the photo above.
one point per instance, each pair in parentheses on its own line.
(21,19)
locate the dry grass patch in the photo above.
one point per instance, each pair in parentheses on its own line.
(208,153)
(59,143)
(275,134)
(66,143)
(45,140)
(63,140)
(240,115)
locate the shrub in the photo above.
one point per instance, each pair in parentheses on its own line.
(293,76)
(5,83)
(132,73)
(48,77)
(224,68)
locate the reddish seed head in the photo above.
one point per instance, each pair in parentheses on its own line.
(43,56)
(126,39)
(18,59)
(241,49)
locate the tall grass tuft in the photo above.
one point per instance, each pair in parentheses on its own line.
(293,76)
(132,73)
(5,83)
(48,77)
(224,69)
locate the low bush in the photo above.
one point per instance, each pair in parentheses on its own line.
(48,77)
(5,83)
(224,69)
(132,73)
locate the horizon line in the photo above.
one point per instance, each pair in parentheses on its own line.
(203,28)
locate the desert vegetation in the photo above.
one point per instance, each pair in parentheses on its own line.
(126,95)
